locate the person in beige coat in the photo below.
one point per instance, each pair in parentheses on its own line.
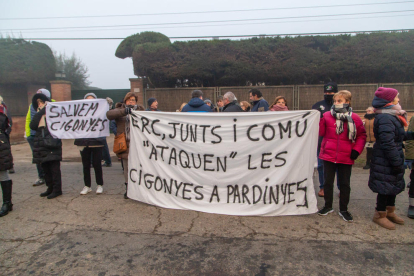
(368,121)
(120,115)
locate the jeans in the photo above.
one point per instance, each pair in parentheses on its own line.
(105,153)
(86,154)
(343,175)
(40,172)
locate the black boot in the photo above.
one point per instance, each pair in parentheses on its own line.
(126,190)
(7,207)
(57,181)
(48,191)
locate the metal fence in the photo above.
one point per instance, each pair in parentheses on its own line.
(299,97)
(170,99)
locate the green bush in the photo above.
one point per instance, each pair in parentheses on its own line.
(362,58)
(23,61)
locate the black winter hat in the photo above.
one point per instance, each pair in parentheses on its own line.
(150,101)
(330,87)
(43,97)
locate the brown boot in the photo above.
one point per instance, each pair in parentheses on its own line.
(380,218)
(392,216)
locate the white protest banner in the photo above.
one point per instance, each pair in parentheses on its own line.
(246,164)
(78,119)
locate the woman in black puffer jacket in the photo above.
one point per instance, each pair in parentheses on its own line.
(387,163)
(47,151)
(6,161)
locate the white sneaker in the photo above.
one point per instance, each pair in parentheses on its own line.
(85,190)
(99,190)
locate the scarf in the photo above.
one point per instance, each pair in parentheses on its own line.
(279,108)
(127,120)
(3,109)
(369,116)
(343,113)
(394,110)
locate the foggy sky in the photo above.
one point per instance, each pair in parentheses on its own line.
(109,72)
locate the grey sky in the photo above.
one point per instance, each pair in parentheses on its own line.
(108,72)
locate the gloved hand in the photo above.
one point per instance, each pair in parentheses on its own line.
(354,154)
(127,110)
(110,101)
(397,170)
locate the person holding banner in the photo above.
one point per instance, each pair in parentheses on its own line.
(91,152)
(120,115)
(343,141)
(47,150)
(6,161)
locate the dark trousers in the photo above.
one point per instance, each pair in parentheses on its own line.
(96,154)
(385,200)
(105,154)
(53,176)
(40,172)
(369,156)
(344,180)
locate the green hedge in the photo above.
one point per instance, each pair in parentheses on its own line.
(362,58)
(23,61)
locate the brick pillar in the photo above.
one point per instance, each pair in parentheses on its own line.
(137,86)
(61,90)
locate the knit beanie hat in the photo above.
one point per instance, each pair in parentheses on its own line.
(44,92)
(330,87)
(90,94)
(150,101)
(387,94)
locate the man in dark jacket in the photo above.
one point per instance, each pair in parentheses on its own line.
(323,106)
(258,103)
(230,103)
(196,104)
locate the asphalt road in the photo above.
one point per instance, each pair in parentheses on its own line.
(108,235)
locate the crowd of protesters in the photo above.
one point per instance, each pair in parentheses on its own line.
(342,138)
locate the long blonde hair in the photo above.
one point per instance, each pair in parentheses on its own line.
(181,107)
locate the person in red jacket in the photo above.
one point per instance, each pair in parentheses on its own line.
(343,141)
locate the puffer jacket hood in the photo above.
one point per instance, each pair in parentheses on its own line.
(378,102)
(196,105)
(196,102)
(39,96)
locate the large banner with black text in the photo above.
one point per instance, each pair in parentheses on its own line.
(78,119)
(245,164)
